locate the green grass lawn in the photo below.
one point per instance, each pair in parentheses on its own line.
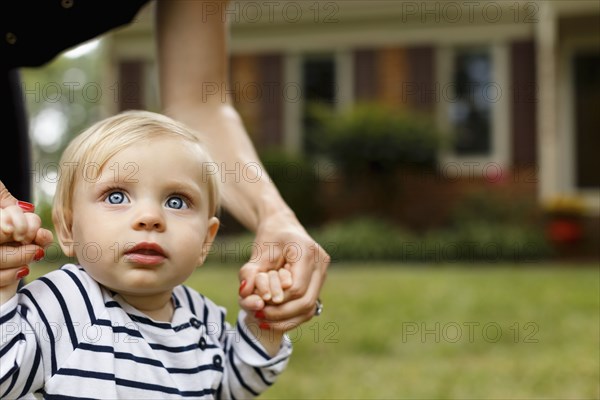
(431,332)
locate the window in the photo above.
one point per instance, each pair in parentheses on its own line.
(318,77)
(471,106)
(587,120)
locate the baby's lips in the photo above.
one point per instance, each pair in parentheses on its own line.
(25,206)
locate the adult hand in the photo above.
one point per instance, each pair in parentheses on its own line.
(282,241)
(15,256)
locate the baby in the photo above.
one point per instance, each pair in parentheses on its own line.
(137,208)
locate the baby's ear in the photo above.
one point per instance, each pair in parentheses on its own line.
(65,239)
(211,232)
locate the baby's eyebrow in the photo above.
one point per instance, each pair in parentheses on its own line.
(190,189)
(183,183)
(109,180)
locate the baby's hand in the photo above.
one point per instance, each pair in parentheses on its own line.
(270,285)
(18,226)
(21,238)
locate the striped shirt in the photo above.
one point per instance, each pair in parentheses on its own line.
(65,336)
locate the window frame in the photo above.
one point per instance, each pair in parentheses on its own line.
(498,159)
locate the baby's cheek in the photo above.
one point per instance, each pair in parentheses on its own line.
(188,252)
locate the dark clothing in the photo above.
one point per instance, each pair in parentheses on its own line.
(14,142)
(33,33)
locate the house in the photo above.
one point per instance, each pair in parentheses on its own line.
(518,81)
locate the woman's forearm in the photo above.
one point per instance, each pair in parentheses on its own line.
(186,74)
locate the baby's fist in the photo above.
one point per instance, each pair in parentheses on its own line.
(270,285)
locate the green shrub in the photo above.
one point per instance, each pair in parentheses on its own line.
(487,242)
(502,226)
(363,238)
(374,138)
(374,239)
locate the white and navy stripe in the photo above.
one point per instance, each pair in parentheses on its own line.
(64,336)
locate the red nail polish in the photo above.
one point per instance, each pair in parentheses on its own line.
(264,326)
(242,286)
(22,273)
(259,314)
(39,254)
(25,206)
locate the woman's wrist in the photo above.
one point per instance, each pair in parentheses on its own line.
(274,207)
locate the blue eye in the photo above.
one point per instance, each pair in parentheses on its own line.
(176,202)
(117,198)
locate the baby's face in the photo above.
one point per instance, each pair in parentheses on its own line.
(142,226)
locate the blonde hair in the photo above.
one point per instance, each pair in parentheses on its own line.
(101,141)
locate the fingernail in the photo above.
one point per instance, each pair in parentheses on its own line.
(242,286)
(25,206)
(259,314)
(264,326)
(22,273)
(277,299)
(39,254)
